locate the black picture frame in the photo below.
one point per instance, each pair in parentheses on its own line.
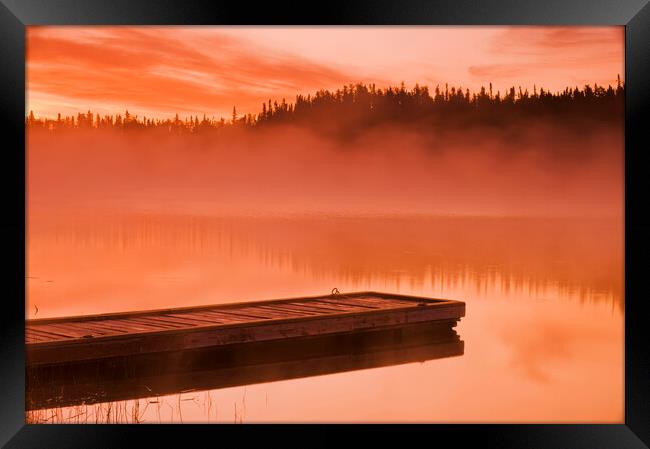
(634,14)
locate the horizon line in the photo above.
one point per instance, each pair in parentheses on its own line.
(390,87)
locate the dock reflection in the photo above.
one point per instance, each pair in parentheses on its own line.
(236,365)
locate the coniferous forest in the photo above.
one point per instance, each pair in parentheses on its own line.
(359,107)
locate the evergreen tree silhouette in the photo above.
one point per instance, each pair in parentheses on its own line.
(356,107)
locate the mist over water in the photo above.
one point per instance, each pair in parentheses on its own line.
(538,168)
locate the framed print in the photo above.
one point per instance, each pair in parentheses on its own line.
(425,213)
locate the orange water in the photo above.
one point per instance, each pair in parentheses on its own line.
(543,331)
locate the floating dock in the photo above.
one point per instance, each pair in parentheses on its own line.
(69,340)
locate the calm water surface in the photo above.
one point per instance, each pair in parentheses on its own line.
(543,332)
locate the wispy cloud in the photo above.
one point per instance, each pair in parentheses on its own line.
(166,71)
(580,54)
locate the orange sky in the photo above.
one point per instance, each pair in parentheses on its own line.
(158,71)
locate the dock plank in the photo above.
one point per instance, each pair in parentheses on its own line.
(76,330)
(196,318)
(113,326)
(100,328)
(281,312)
(311,306)
(293,309)
(351,307)
(227,318)
(48,334)
(297,309)
(238,315)
(206,317)
(350,303)
(133,326)
(34,337)
(166,321)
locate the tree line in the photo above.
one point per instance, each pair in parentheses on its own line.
(360,106)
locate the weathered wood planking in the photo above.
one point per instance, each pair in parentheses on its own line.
(70,339)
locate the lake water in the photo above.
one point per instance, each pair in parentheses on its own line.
(543,331)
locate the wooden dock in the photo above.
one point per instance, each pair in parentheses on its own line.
(57,341)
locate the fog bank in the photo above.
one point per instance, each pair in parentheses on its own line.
(544,169)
